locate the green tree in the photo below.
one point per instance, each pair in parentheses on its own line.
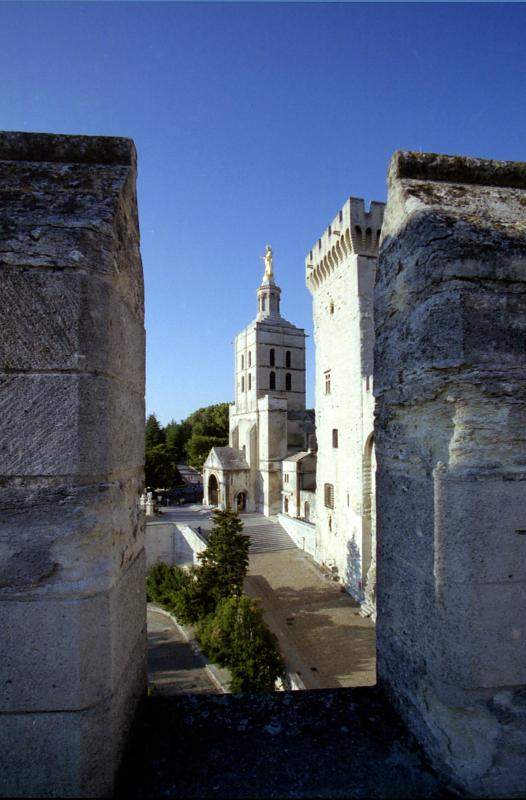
(160,469)
(211,420)
(235,636)
(154,434)
(199,446)
(224,562)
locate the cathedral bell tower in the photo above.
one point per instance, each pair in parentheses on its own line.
(268,292)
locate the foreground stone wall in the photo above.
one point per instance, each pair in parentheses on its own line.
(450,386)
(72,601)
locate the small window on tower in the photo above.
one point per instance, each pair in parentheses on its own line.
(272,357)
(242,362)
(335,437)
(328,491)
(328,382)
(242,383)
(263,303)
(272,381)
(250,358)
(287,359)
(249,382)
(331,308)
(288,382)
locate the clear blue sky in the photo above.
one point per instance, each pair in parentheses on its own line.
(253,123)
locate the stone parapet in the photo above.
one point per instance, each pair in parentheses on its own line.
(450,433)
(72,603)
(353,231)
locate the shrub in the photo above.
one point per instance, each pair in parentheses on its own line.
(163,582)
(235,636)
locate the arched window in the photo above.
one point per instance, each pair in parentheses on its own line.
(242,362)
(263,303)
(249,382)
(368,238)
(287,359)
(272,357)
(272,380)
(286,505)
(242,383)
(335,437)
(250,358)
(288,382)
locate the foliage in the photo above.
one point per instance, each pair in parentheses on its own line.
(177,435)
(160,470)
(192,439)
(210,421)
(230,625)
(224,563)
(154,434)
(235,636)
(199,446)
(163,582)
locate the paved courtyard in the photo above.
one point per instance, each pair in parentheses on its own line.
(321,634)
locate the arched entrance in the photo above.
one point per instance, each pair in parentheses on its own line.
(213,491)
(241,501)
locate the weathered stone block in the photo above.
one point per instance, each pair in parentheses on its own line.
(450,386)
(60,423)
(72,597)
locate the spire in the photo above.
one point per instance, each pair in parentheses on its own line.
(268,292)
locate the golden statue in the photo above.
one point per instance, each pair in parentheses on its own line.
(267,258)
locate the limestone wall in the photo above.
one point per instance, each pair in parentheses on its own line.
(303,534)
(343,335)
(72,598)
(450,385)
(173,544)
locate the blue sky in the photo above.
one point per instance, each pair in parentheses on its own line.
(254,122)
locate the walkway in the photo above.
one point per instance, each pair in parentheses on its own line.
(321,634)
(173,667)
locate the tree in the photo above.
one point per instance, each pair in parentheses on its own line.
(224,562)
(160,469)
(154,434)
(199,446)
(235,636)
(176,436)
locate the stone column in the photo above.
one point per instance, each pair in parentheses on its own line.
(72,595)
(450,383)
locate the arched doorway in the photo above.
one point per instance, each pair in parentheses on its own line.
(213,491)
(241,501)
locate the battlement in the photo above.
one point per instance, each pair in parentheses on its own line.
(352,231)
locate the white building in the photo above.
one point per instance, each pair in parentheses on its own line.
(340,273)
(268,420)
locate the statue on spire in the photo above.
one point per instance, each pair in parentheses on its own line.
(267,258)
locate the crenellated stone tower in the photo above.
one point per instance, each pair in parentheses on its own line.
(268,418)
(340,273)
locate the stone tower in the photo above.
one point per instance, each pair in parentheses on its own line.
(340,273)
(268,418)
